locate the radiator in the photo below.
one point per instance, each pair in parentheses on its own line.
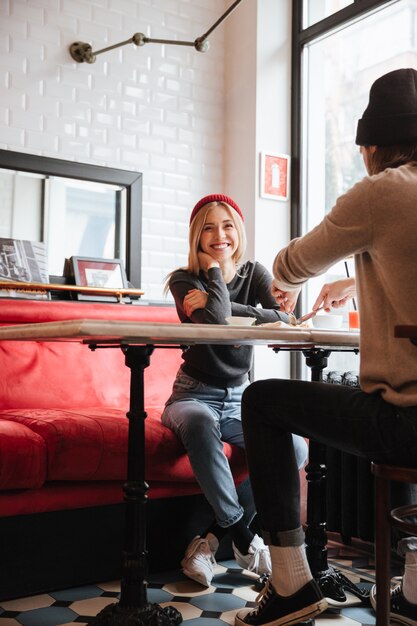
(350,486)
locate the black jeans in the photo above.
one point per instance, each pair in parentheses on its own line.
(339,416)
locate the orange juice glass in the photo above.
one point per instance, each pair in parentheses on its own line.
(353,320)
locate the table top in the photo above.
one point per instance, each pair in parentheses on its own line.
(125,332)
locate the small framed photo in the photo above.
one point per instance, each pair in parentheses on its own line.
(92,272)
(275,176)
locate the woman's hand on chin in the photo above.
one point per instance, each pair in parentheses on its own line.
(206,261)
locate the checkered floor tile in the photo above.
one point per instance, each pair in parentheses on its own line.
(232,589)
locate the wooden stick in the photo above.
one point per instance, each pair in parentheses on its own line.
(355,308)
(108,291)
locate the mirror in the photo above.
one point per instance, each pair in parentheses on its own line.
(76,209)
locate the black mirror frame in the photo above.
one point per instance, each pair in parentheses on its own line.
(131,181)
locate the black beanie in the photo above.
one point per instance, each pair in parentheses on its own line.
(391,115)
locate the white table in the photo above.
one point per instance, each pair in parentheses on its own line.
(135,333)
(138,341)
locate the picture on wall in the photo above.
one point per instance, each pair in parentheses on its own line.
(275,176)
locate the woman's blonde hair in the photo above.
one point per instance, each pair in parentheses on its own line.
(391,156)
(196,228)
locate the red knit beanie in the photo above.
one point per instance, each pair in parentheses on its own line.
(216,197)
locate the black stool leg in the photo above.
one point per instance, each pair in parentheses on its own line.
(382,550)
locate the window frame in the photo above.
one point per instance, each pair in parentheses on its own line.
(300,37)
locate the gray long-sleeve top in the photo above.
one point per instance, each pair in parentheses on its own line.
(225,366)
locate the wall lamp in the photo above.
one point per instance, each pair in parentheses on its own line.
(83,52)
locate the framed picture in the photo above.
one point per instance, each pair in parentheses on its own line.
(275,176)
(92,272)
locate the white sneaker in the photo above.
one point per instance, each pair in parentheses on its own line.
(199,561)
(257,560)
(395,582)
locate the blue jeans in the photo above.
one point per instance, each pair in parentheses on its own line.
(343,417)
(204,417)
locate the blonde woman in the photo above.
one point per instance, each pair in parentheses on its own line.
(204,408)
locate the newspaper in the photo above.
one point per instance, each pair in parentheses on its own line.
(24,261)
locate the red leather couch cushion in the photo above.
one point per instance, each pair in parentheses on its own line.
(80,445)
(22,457)
(92,445)
(66,375)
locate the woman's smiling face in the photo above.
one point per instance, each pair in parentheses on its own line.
(219,237)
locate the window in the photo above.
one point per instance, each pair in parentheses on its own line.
(316,10)
(84,219)
(336,62)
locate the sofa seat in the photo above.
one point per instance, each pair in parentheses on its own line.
(22,458)
(45,445)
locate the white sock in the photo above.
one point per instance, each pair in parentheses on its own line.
(410,577)
(290,569)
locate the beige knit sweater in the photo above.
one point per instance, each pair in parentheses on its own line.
(376,221)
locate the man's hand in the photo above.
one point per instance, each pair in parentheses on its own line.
(195,299)
(335,295)
(286,299)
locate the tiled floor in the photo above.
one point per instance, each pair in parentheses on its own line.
(232,590)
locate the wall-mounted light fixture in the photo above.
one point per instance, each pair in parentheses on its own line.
(83,52)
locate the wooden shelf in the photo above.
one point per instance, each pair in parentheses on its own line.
(119,293)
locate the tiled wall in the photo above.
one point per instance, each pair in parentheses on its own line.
(154,109)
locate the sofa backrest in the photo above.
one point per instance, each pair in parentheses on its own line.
(69,375)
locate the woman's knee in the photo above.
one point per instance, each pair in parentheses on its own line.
(189,418)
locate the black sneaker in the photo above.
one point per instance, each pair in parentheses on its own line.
(276,610)
(402,611)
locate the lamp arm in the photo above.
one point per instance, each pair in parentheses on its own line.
(220,20)
(83,52)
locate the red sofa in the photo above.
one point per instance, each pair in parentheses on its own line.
(63,448)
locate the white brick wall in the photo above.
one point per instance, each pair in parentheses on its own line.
(154,109)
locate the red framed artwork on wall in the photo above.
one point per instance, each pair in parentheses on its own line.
(275,176)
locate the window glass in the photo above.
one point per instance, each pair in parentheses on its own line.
(21,205)
(84,219)
(338,72)
(316,10)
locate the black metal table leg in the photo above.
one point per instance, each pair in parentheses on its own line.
(332,582)
(316,537)
(133,609)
